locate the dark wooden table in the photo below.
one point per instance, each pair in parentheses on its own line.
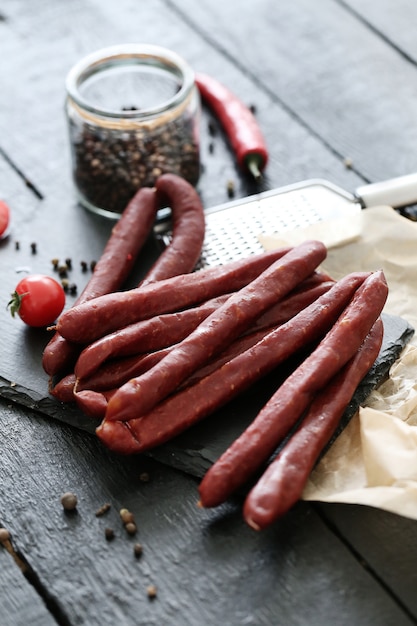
(331,80)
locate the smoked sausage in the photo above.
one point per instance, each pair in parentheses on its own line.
(110,376)
(63,390)
(93,403)
(184,408)
(188,228)
(115,373)
(282,483)
(110,272)
(217,331)
(252,449)
(88,321)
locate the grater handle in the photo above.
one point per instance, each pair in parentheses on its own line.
(396,192)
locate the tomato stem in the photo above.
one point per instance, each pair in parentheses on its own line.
(16,300)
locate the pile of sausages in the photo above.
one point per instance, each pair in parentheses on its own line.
(150,362)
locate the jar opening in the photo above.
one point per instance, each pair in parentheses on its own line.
(130,81)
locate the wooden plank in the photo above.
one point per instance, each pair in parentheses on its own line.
(391,20)
(329,69)
(382,539)
(207,565)
(20,602)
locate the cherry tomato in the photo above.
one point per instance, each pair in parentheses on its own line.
(4,217)
(38,300)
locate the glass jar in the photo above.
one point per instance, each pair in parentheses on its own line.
(133,114)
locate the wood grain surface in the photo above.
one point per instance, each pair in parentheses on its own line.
(330,80)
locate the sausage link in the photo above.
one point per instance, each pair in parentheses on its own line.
(93,403)
(64,388)
(217,331)
(188,228)
(253,448)
(183,409)
(283,481)
(109,376)
(155,333)
(89,321)
(124,244)
(117,372)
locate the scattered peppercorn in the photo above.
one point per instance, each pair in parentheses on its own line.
(211,147)
(151,590)
(73,289)
(4,535)
(212,128)
(68,263)
(34,247)
(55,263)
(131,528)
(348,162)
(69,501)
(109,534)
(63,271)
(93,265)
(126,516)
(103,509)
(17,245)
(84,266)
(230,188)
(128,520)
(65,284)
(137,550)
(252,108)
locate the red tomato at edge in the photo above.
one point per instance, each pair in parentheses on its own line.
(38,300)
(4,217)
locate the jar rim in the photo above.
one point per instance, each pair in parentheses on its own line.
(147,54)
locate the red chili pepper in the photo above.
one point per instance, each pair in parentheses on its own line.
(238,122)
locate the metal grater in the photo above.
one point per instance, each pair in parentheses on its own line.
(232,229)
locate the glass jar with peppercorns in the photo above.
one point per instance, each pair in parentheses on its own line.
(133,113)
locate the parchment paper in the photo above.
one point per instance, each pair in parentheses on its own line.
(374,461)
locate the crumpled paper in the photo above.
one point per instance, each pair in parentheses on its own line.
(374,460)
